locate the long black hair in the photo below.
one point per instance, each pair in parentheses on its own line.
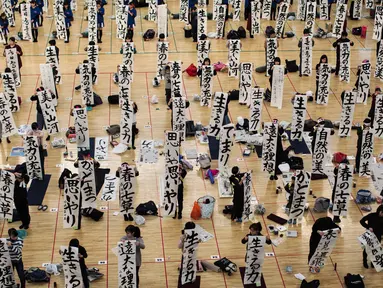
(136,232)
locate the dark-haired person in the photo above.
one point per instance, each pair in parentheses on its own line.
(68,15)
(180,194)
(35,131)
(306,32)
(170,105)
(338,158)
(82,254)
(52,43)
(20,199)
(194,23)
(38,107)
(15,248)
(181,243)
(86,156)
(277,61)
(35,18)
(12,44)
(4,27)
(134,233)
(289,188)
(236,181)
(336,45)
(320,225)
(40,4)
(324,60)
(100,21)
(255,230)
(206,62)
(132,13)
(359,131)
(374,223)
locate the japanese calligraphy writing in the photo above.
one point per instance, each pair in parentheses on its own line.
(189,257)
(245,81)
(247,213)
(127,264)
(323,10)
(347,114)
(13,64)
(364,83)
(101,149)
(373,248)
(207,85)
(81,128)
(301,11)
(176,78)
(49,112)
(202,22)
(237,9)
(92,51)
(344,68)
(72,203)
(162,21)
(277,89)
(58,10)
(184,11)
(357,12)
(378,118)
(32,156)
(179,117)
(366,154)
(110,187)
(320,150)
(26,27)
(343,190)
(301,189)
(152,11)
(266,9)
(282,18)
(220,21)
(48,80)
(324,83)
(216,3)
(255,254)
(51,58)
(71,267)
(269,147)
(255,10)
(225,145)
(271,53)
(299,117)
(234,55)
(7,8)
(121,21)
(6,118)
(256,109)
(7,278)
(127,189)
(340,16)
(7,186)
(325,247)
(306,54)
(379,63)
(311,9)
(86,83)
(148,154)
(92,21)
(124,83)
(217,113)
(162,57)
(128,56)
(378,24)
(126,121)
(370,4)
(203,49)
(10,91)
(88,183)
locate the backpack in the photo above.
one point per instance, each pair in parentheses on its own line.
(113,99)
(148,208)
(97,99)
(292,66)
(260,69)
(363,197)
(353,281)
(321,204)
(219,66)
(191,70)
(226,265)
(241,32)
(204,161)
(149,34)
(311,284)
(113,129)
(290,34)
(65,174)
(267,95)
(35,274)
(233,95)
(296,163)
(190,128)
(232,35)
(357,31)
(269,30)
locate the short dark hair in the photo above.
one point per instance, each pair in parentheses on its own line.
(203,37)
(306,31)
(74,243)
(92,43)
(134,230)
(13,232)
(344,33)
(161,36)
(12,39)
(256,226)
(235,170)
(34,126)
(52,42)
(7,70)
(189,225)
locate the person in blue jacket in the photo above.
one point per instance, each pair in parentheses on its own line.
(132,13)
(68,14)
(4,27)
(192,3)
(35,15)
(40,4)
(100,21)
(13,7)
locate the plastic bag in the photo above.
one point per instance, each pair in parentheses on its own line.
(196,211)
(139,220)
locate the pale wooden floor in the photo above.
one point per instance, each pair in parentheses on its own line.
(161,235)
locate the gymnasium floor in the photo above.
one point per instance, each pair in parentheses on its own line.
(161,235)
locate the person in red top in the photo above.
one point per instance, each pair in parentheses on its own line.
(19,51)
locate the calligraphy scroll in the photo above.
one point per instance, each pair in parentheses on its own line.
(152,11)
(247,213)
(344,68)
(101,149)
(324,83)
(7,188)
(207,85)
(325,247)
(72,203)
(225,145)
(370,4)
(311,9)
(301,11)
(26,26)
(216,3)
(51,59)
(127,189)
(201,3)
(357,12)
(162,58)
(378,24)
(7,8)
(6,277)
(179,117)
(176,78)
(124,83)
(343,190)
(255,14)
(234,55)
(49,112)
(378,117)
(121,21)
(32,156)
(220,21)
(128,56)
(202,22)
(266,9)
(323,10)
(255,254)
(320,150)
(13,64)
(246,79)
(71,266)
(148,154)
(277,89)
(379,63)
(271,53)
(92,51)
(347,115)
(217,114)
(48,80)
(162,21)
(171,172)
(6,118)
(203,49)
(86,84)
(366,153)
(237,10)
(299,117)
(88,183)
(92,21)
(81,128)
(10,91)
(73,5)
(282,18)
(184,11)
(189,256)
(269,147)
(301,189)
(126,122)
(373,249)
(364,83)
(256,109)
(127,264)
(58,9)
(341,10)
(109,190)
(307,51)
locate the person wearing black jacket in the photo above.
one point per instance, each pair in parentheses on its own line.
(170,106)
(277,61)
(336,45)
(321,123)
(82,254)
(180,194)
(323,59)
(359,132)
(194,23)
(77,88)
(206,62)
(236,181)
(289,188)
(255,230)
(20,198)
(374,223)
(371,112)
(320,225)
(336,219)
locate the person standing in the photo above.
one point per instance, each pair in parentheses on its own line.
(35,131)
(40,4)
(100,21)
(194,23)
(82,255)
(236,181)
(132,13)
(359,132)
(35,16)
(4,27)
(277,61)
(324,60)
(12,44)
(134,125)
(21,199)
(15,247)
(338,158)
(180,194)
(134,233)
(374,223)
(206,62)
(336,45)
(371,112)
(52,43)
(306,32)
(68,15)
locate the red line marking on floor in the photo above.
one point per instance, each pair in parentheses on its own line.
(340,281)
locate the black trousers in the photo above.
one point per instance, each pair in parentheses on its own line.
(23,210)
(20,271)
(316,90)
(85,280)
(137,277)
(337,67)
(273,13)
(133,133)
(180,200)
